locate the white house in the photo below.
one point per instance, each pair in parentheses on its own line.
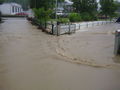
(10,8)
(65,6)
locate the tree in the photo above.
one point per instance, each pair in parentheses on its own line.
(1,1)
(108,8)
(42,16)
(46,4)
(89,6)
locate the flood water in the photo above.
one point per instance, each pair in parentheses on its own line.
(33,60)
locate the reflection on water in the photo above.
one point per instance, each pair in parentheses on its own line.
(29,61)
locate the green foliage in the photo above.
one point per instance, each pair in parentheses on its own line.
(1,1)
(89,16)
(82,6)
(42,15)
(63,20)
(46,4)
(86,8)
(108,7)
(75,17)
(86,16)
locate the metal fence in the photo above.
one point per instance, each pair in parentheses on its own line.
(63,29)
(71,28)
(91,24)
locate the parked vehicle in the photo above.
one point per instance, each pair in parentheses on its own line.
(59,13)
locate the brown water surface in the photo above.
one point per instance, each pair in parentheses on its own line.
(33,60)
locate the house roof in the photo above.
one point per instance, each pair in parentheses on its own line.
(68,2)
(13,4)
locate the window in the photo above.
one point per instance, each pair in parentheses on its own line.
(13,9)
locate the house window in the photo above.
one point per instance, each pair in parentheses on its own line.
(18,10)
(13,9)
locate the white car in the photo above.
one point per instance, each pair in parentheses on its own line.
(59,13)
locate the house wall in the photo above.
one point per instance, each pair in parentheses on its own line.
(10,8)
(5,9)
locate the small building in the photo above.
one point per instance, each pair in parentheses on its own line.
(64,7)
(10,8)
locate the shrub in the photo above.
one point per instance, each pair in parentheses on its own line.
(94,16)
(42,15)
(75,17)
(63,20)
(86,16)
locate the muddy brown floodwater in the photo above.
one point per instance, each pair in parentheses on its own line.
(33,60)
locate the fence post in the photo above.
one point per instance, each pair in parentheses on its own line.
(92,23)
(87,25)
(75,28)
(58,29)
(97,23)
(52,29)
(69,28)
(79,26)
(102,22)
(117,43)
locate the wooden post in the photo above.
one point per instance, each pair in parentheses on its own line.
(52,29)
(58,29)
(117,43)
(69,28)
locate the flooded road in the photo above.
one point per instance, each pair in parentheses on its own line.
(33,60)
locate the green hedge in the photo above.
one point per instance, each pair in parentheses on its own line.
(86,16)
(63,20)
(75,17)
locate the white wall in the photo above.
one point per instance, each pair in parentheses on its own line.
(7,8)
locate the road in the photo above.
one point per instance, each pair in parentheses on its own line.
(33,60)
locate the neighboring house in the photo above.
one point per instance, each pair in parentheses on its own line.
(10,8)
(65,6)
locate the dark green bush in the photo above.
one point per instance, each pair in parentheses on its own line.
(86,16)
(75,17)
(94,16)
